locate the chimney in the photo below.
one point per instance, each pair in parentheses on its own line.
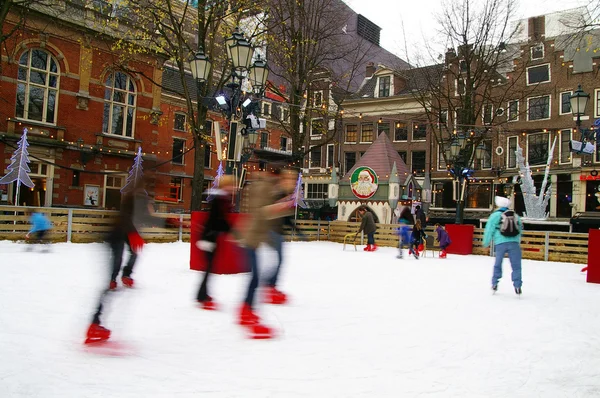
(536,28)
(369,70)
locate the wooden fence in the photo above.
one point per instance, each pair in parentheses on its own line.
(84,225)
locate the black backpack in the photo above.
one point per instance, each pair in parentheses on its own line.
(509,224)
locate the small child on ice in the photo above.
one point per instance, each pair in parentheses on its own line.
(418,236)
(405,220)
(443,238)
(41,225)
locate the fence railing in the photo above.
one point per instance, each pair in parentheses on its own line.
(85,225)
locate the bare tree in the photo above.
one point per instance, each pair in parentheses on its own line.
(313,47)
(477,77)
(173,31)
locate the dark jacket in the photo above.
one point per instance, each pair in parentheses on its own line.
(420,215)
(217,222)
(418,235)
(442,236)
(367,223)
(133,214)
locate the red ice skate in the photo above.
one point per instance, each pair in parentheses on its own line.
(208,304)
(247,316)
(373,248)
(259,331)
(443,254)
(274,296)
(127,281)
(367,248)
(112,285)
(97,334)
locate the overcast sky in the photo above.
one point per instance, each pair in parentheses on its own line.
(417,18)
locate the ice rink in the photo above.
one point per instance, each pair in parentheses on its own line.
(359,324)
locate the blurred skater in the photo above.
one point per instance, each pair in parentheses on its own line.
(40,227)
(418,236)
(216,225)
(405,220)
(367,224)
(136,210)
(443,238)
(286,182)
(263,210)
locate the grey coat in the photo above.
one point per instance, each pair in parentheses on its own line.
(367,223)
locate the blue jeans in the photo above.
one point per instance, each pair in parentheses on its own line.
(371,238)
(277,245)
(252,262)
(514,255)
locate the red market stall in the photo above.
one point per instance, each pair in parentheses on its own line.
(593,262)
(229,258)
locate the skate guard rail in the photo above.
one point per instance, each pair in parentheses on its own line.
(88,225)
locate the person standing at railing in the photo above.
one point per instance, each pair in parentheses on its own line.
(367,225)
(504,228)
(40,227)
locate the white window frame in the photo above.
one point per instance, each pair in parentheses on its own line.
(549,108)
(361,135)
(125,104)
(45,87)
(327,156)
(537,46)
(597,102)
(312,134)
(322,100)
(456,93)
(412,131)
(527,147)
(391,93)
(483,112)
(560,104)
(440,158)
(267,105)
(184,121)
(537,66)
(441,121)
(508,152)
(405,126)
(111,173)
(182,154)
(491,154)
(310,157)
(346,133)
(560,146)
(516,119)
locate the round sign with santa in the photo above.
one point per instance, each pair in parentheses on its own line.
(364,182)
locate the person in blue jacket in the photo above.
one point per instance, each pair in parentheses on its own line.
(504,244)
(40,226)
(405,219)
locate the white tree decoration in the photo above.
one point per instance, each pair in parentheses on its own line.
(135,174)
(215,185)
(18,167)
(535,205)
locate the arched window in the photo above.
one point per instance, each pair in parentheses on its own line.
(119,105)
(37,86)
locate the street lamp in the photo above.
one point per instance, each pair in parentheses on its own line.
(200,66)
(579,100)
(461,170)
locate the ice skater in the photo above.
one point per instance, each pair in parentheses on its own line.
(40,227)
(504,229)
(263,209)
(443,238)
(286,183)
(216,225)
(417,237)
(405,220)
(367,225)
(136,210)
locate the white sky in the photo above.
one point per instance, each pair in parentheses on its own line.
(418,18)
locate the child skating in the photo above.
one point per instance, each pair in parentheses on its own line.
(418,236)
(40,227)
(443,238)
(404,230)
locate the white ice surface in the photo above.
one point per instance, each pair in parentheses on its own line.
(359,325)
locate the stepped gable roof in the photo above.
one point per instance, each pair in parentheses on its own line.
(381,157)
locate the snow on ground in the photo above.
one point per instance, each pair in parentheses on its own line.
(359,325)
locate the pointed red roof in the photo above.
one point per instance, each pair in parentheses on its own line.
(381,156)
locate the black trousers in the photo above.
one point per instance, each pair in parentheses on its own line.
(203,290)
(117,247)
